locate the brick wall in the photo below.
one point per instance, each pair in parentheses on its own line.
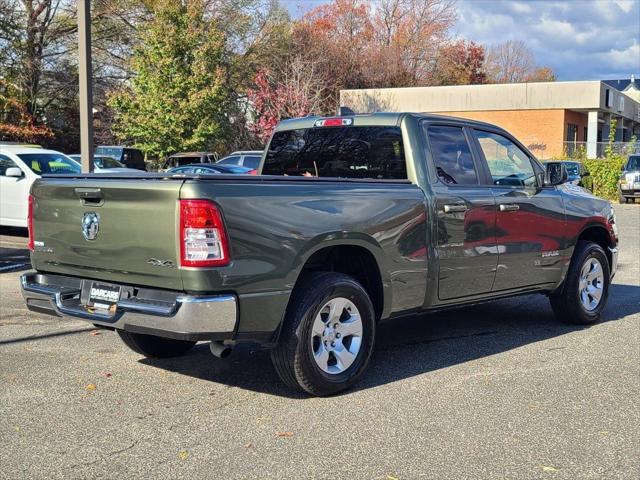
(576,118)
(542,131)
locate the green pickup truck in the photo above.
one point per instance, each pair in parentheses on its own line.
(353,220)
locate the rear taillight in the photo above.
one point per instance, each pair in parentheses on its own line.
(203,238)
(30,224)
(252,172)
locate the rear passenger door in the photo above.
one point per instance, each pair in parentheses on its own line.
(530,217)
(465,212)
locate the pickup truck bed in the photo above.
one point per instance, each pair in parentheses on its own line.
(272,238)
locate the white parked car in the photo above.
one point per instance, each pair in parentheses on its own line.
(20,166)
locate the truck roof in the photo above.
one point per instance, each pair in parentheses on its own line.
(382,119)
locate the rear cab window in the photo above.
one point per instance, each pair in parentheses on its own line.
(371,152)
(115,152)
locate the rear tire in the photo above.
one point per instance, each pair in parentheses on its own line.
(328,335)
(583,296)
(153,346)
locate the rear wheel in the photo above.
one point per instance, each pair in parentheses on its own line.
(153,346)
(584,293)
(328,335)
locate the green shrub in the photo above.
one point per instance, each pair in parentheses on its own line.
(605,174)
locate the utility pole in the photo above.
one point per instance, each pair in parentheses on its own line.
(86,90)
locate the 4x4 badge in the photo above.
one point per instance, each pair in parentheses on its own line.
(90,225)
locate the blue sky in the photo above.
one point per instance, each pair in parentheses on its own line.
(579,39)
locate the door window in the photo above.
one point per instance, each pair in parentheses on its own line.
(6,162)
(451,155)
(507,163)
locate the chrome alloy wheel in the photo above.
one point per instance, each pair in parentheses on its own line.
(336,335)
(591,285)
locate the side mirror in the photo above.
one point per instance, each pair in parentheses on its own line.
(555,173)
(13,172)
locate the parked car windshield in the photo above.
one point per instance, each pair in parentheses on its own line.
(572,168)
(348,152)
(633,163)
(41,163)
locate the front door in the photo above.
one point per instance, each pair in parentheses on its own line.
(465,212)
(530,217)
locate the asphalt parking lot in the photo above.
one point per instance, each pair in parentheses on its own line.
(500,390)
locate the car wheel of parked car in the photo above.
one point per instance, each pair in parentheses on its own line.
(622,198)
(152,346)
(584,293)
(328,334)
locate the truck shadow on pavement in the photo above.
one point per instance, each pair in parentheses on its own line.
(416,345)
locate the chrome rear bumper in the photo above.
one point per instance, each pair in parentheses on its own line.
(163,313)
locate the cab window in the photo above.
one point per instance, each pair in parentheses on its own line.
(508,164)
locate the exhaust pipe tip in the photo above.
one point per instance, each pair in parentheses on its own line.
(220,350)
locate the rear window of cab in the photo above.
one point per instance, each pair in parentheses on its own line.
(344,152)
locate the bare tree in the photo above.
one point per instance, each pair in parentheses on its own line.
(411,31)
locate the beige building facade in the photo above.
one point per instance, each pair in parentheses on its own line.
(551,118)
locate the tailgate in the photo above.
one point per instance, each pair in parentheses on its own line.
(117,230)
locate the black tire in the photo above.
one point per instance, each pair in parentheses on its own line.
(566,302)
(153,346)
(293,357)
(622,198)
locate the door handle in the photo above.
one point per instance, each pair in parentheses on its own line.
(88,192)
(455,208)
(509,207)
(89,196)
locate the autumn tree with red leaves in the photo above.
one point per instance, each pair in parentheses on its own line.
(293,91)
(375,44)
(461,63)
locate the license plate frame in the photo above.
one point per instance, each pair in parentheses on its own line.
(104,297)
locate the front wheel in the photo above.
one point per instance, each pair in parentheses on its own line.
(328,335)
(584,294)
(153,346)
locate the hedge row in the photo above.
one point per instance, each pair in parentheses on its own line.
(605,174)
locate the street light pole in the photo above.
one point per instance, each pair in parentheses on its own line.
(86,91)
